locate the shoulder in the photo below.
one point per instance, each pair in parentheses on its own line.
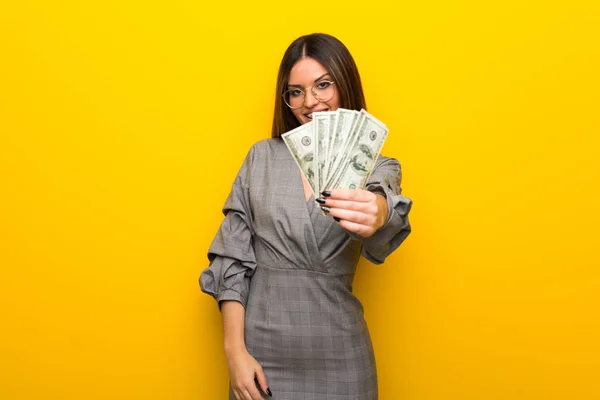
(266,148)
(268,144)
(262,152)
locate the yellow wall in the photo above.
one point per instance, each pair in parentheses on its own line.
(123,123)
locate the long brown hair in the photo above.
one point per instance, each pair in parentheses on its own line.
(337,60)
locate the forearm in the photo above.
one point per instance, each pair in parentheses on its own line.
(233,326)
(391,234)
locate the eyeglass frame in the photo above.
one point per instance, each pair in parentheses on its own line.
(312,89)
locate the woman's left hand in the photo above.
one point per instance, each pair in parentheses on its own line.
(358,211)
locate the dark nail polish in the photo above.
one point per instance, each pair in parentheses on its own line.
(326,193)
(337,219)
(320,200)
(325,209)
(269,392)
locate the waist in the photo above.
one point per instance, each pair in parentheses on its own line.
(292,297)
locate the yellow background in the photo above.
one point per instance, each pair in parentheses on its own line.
(123,123)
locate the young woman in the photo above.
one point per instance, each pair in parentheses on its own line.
(281,269)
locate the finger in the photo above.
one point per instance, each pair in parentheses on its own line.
(365,207)
(353,216)
(237,394)
(349,194)
(254,393)
(262,382)
(361,230)
(246,395)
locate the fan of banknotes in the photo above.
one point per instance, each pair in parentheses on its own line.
(337,149)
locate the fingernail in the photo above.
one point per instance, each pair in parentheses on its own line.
(320,200)
(337,219)
(269,392)
(326,193)
(325,209)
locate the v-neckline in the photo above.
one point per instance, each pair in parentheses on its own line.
(311,199)
(309,212)
(312,195)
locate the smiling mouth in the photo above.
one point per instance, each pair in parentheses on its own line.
(309,116)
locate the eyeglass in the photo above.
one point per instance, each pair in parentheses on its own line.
(295,97)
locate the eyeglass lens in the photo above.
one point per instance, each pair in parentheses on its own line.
(323,91)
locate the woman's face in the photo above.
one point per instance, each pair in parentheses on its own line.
(304,75)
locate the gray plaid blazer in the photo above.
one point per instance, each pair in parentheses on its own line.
(292,268)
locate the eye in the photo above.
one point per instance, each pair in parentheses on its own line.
(324,84)
(295,92)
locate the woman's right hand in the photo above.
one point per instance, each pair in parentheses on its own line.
(243,369)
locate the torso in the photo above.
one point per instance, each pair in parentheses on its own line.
(302,323)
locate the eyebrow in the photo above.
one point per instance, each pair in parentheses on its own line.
(316,80)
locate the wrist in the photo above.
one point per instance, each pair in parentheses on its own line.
(233,348)
(382,206)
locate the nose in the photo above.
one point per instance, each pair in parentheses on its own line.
(310,100)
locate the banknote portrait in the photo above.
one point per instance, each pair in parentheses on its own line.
(306,165)
(361,159)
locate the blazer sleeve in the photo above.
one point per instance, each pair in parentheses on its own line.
(385,180)
(231,253)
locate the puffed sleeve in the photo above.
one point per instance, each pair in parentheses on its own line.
(231,253)
(385,180)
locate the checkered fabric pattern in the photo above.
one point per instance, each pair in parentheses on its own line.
(292,268)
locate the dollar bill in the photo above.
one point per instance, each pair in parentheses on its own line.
(333,115)
(321,128)
(301,143)
(361,156)
(337,149)
(343,156)
(344,122)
